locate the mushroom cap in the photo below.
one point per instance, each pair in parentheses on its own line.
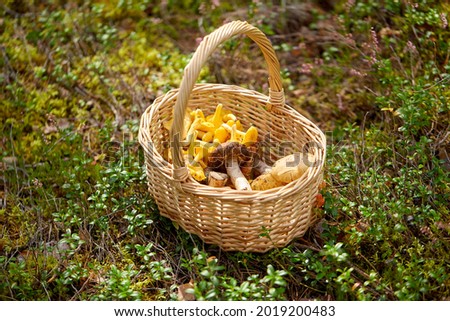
(219,158)
(264,182)
(291,167)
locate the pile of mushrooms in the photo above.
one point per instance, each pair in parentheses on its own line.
(241,163)
(220,153)
(234,159)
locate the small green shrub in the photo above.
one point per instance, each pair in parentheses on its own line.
(77,221)
(213,285)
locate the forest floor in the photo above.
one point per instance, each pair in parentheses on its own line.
(77,221)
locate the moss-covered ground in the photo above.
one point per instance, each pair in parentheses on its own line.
(77,222)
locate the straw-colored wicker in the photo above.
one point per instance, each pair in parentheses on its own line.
(247,221)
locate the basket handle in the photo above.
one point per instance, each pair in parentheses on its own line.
(192,70)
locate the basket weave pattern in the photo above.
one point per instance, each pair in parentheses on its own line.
(234,220)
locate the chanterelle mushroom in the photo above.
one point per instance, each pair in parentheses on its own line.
(234,159)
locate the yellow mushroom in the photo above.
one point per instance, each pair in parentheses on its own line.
(213,146)
(208,137)
(250,136)
(236,135)
(187,125)
(198,113)
(194,124)
(228,117)
(221,134)
(217,117)
(194,158)
(239,125)
(230,122)
(199,150)
(189,153)
(200,134)
(196,172)
(205,126)
(199,155)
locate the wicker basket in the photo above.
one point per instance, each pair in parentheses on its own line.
(247,221)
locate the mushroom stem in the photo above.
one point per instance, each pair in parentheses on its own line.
(261,167)
(217,179)
(237,178)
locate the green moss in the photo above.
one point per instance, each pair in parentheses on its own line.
(19,227)
(79,222)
